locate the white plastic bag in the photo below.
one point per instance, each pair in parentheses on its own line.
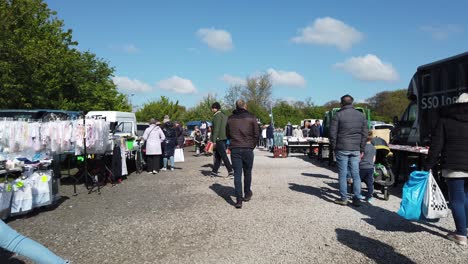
(179,155)
(434,204)
(22,197)
(41,189)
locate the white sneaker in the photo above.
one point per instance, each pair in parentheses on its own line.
(163,169)
(172,169)
(155,172)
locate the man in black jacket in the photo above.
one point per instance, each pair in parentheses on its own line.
(243,132)
(348,136)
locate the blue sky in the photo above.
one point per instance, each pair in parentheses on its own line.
(319,49)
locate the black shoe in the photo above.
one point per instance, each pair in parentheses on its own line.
(248,196)
(231,175)
(214,174)
(238,203)
(356,202)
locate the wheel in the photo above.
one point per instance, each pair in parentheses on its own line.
(139,163)
(386,195)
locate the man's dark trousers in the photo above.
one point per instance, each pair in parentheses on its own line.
(220,154)
(242,161)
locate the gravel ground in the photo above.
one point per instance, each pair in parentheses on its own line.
(184,216)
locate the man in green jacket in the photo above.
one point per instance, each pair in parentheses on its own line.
(218,137)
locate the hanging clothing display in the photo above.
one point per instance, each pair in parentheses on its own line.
(25,139)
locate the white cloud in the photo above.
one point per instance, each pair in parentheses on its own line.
(233,80)
(127,48)
(216,39)
(369,68)
(131,85)
(329,31)
(178,85)
(442,32)
(130,48)
(286,78)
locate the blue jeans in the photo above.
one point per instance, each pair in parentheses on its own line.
(345,159)
(270,143)
(367,176)
(19,244)
(165,162)
(458,197)
(242,161)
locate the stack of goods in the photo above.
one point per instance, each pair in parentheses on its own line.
(280,152)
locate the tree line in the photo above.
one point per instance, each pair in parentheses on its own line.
(257,93)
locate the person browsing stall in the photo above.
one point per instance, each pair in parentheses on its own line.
(153,137)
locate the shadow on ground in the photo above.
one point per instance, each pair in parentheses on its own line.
(382,219)
(224,192)
(372,248)
(316,175)
(39,210)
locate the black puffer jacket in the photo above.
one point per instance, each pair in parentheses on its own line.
(348,130)
(450,138)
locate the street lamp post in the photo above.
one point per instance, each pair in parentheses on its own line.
(130,101)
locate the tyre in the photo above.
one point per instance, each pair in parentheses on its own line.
(386,194)
(139,163)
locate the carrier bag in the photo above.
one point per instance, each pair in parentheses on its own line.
(209,147)
(21,201)
(41,189)
(413,195)
(434,204)
(179,155)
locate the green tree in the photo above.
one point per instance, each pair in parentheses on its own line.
(202,111)
(233,94)
(385,105)
(283,112)
(41,68)
(259,111)
(258,90)
(158,109)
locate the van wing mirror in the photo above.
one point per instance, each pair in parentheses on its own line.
(395,120)
(112,126)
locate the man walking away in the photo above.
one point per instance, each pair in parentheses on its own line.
(348,137)
(243,132)
(218,137)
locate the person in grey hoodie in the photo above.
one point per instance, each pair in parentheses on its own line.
(348,137)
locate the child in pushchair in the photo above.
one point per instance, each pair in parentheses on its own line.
(383,174)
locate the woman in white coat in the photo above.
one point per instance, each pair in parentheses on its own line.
(153,137)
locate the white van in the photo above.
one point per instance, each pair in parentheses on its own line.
(121,123)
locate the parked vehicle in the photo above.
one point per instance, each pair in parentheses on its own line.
(141,127)
(121,123)
(432,86)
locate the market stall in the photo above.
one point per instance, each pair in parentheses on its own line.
(28,153)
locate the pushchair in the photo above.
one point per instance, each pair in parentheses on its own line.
(383,174)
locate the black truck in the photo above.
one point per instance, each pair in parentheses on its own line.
(432,86)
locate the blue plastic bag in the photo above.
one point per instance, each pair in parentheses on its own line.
(413,195)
